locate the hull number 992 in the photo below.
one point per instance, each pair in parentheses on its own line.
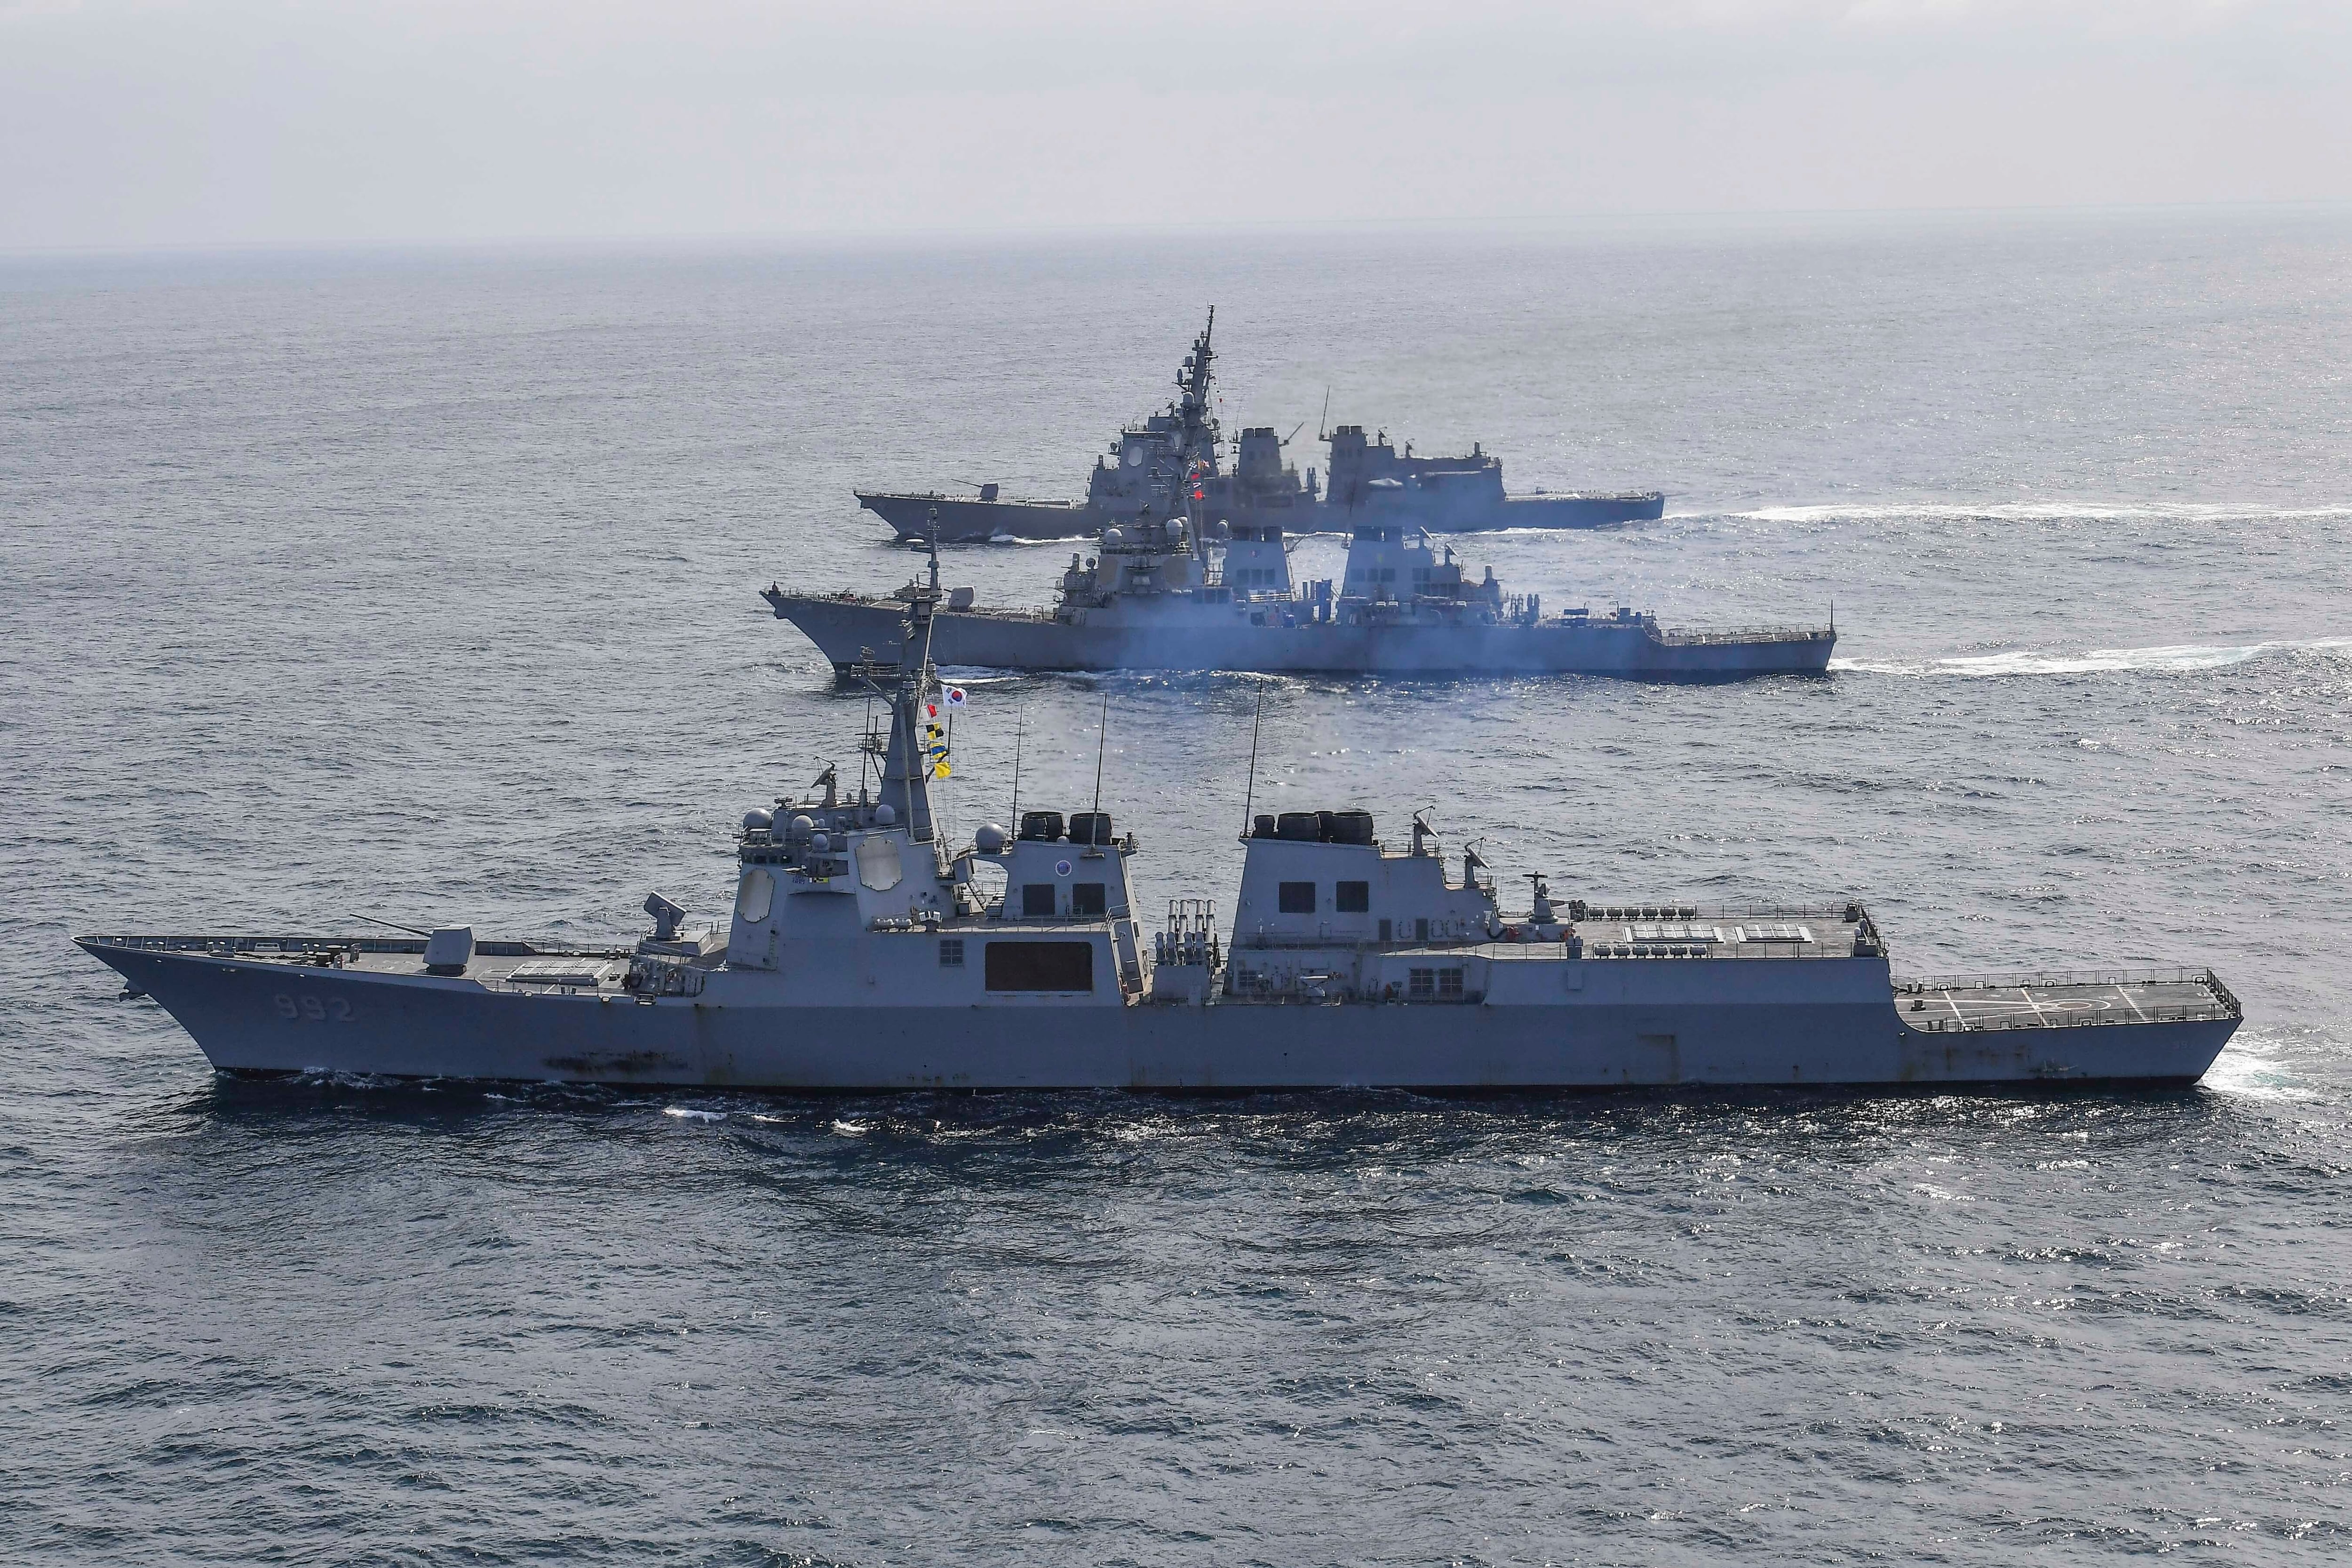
(310,1008)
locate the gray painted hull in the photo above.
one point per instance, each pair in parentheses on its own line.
(1626,1022)
(968,522)
(850,630)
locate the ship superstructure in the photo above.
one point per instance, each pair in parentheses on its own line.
(862,951)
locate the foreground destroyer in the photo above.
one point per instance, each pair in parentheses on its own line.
(1157,597)
(1157,461)
(863,953)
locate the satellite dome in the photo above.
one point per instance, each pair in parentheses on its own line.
(758,821)
(820,843)
(990,840)
(800,826)
(1113,538)
(885,815)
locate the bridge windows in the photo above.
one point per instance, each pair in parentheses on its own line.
(1295,898)
(1037,900)
(1086,898)
(1352,898)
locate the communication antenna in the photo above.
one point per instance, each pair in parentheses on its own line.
(1102,733)
(1250,799)
(1020,722)
(1322,418)
(1295,429)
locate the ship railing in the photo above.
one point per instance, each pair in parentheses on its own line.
(2222,1002)
(1685,637)
(296,946)
(1611,912)
(1762,950)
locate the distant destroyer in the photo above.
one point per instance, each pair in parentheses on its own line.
(1156,596)
(1154,463)
(865,954)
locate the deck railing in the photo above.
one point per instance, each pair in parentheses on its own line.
(2220,1003)
(296,946)
(1684,637)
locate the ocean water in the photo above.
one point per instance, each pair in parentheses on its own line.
(423,587)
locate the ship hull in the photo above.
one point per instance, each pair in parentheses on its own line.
(1438,513)
(967,521)
(850,630)
(1628,1023)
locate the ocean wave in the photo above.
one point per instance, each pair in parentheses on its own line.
(2095,661)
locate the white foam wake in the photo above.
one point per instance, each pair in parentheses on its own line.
(2096,661)
(2039,512)
(2250,1068)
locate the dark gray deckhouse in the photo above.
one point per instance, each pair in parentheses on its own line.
(865,952)
(1157,464)
(1156,596)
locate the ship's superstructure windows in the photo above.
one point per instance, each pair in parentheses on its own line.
(1352,898)
(1388,930)
(1040,965)
(1037,900)
(1420,930)
(950,953)
(1295,898)
(1449,985)
(1086,898)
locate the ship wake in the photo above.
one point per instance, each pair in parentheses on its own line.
(2175,658)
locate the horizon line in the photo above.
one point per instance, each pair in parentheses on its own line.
(1011,235)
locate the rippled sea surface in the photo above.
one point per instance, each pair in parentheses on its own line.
(423,587)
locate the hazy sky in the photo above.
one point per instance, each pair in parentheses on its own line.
(134,123)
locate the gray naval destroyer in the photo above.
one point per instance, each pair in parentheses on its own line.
(1162,597)
(866,954)
(1159,463)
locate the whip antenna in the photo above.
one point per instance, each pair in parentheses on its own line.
(1020,722)
(1250,799)
(1102,733)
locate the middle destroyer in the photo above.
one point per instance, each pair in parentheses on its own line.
(1159,596)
